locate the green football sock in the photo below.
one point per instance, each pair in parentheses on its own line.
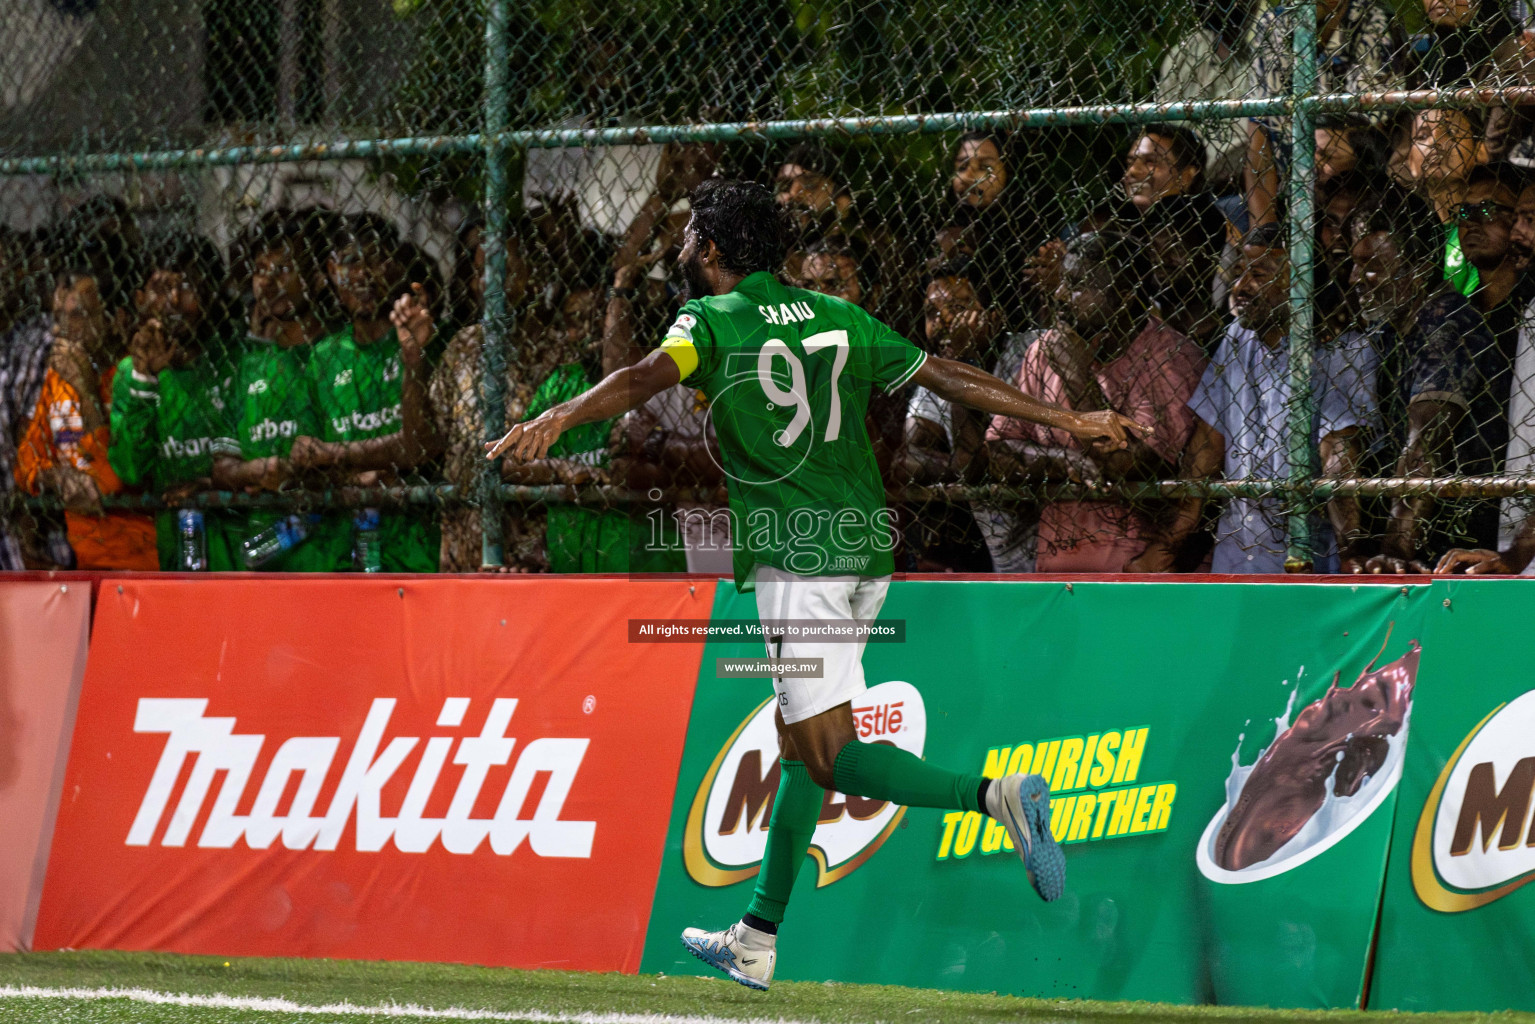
(882,772)
(796,809)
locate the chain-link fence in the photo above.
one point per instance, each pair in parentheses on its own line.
(272,273)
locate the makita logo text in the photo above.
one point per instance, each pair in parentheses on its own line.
(303,765)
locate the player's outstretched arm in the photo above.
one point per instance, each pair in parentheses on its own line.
(614,395)
(968,385)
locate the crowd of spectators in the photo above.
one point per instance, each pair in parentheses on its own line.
(321,354)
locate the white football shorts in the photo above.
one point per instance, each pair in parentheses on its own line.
(785,595)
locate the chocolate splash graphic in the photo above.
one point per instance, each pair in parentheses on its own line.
(1289,783)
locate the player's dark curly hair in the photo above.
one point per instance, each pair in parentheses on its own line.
(744,222)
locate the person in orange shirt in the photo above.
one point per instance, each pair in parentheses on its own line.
(64,448)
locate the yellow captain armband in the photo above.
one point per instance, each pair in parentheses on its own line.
(683,354)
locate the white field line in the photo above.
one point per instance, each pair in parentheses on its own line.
(407,1011)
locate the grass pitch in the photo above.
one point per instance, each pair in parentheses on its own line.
(116,988)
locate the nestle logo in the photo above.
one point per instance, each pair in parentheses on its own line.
(881,720)
(303,765)
(725,837)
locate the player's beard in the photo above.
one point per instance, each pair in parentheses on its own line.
(693,276)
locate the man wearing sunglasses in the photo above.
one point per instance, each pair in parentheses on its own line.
(1490,240)
(1454,381)
(1486,221)
(1516,529)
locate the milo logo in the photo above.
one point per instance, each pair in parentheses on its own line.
(1475,841)
(727,823)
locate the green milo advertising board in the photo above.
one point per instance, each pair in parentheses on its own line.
(1457,925)
(1223,759)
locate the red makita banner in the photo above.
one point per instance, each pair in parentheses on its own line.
(455,770)
(43,635)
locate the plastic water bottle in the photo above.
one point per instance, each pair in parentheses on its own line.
(192,540)
(367,543)
(283,535)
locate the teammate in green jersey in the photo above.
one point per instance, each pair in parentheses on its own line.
(269,401)
(369,383)
(169,394)
(788,374)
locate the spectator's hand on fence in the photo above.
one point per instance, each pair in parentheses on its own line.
(150,349)
(1080,467)
(274,473)
(1158,557)
(1352,565)
(76,488)
(412,320)
(1390,565)
(530,439)
(312,453)
(175,494)
(1478,562)
(579,474)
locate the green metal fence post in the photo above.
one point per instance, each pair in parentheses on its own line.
(1300,203)
(495,321)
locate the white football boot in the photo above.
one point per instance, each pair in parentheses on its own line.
(1021,803)
(725,951)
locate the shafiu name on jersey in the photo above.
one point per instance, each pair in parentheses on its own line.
(788,373)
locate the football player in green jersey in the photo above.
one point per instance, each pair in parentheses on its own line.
(269,402)
(788,373)
(169,394)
